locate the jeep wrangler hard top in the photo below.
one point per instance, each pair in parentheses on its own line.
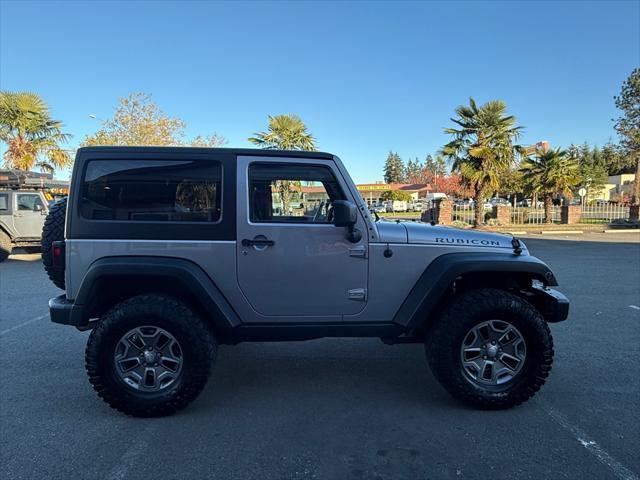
(169,252)
(23,207)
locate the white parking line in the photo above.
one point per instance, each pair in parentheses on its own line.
(635,307)
(619,470)
(119,472)
(20,325)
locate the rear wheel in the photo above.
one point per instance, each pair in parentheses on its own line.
(5,245)
(490,349)
(150,356)
(53,231)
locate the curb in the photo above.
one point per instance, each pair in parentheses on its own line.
(621,230)
(560,232)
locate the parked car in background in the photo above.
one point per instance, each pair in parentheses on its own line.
(415,206)
(396,206)
(499,201)
(527,202)
(465,202)
(23,209)
(435,196)
(378,208)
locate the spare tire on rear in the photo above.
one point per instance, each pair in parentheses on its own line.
(53,231)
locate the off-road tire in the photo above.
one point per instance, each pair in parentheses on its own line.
(459,317)
(53,231)
(5,245)
(198,345)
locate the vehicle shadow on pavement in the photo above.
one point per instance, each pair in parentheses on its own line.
(328,371)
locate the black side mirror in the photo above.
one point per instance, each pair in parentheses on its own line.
(345,214)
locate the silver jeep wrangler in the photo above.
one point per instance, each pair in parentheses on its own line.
(23,208)
(169,252)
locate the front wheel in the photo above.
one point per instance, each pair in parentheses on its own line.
(491,349)
(150,356)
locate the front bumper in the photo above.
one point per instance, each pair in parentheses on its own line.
(66,312)
(553,305)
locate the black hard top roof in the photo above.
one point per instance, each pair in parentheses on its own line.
(228,151)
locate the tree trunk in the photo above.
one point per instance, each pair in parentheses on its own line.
(478,198)
(635,197)
(548,209)
(285,196)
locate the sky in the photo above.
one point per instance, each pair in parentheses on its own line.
(366,77)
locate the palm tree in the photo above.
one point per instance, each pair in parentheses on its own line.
(32,136)
(483,148)
(285,132)
(549,173)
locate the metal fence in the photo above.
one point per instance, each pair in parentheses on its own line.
(604,213)
(463,213)
(533,216)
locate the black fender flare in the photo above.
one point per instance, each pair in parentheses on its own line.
(176,271)
(426,295)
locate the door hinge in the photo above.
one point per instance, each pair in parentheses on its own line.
(357,294)
(359,251)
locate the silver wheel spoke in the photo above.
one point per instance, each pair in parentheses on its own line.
(148,359)
(492,353)
(130,363)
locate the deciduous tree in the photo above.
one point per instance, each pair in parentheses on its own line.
(138,121)
(400,195)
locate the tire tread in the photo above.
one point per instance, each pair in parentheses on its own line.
(453,317)
(201,342)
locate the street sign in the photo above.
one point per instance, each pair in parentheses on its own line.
(582,192)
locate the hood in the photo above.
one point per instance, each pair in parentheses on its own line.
(426,234)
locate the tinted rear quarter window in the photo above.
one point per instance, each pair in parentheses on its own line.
(152,191)
(4,202)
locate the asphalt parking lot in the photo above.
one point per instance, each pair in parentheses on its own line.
(335,408)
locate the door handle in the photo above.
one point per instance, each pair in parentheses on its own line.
(257,242)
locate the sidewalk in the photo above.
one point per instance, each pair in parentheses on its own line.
(628,236)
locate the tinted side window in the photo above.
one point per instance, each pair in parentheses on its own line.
(4,201)
(290,193)
(152,190)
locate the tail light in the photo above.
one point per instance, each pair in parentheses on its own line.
(57,254)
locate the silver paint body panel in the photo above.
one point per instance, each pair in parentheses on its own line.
(310,274)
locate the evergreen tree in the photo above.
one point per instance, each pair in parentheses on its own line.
(592,167)
(430,164)
(393,168)
(628,127)
(413,173)
(612,159)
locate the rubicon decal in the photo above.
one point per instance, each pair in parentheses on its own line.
(468,241)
